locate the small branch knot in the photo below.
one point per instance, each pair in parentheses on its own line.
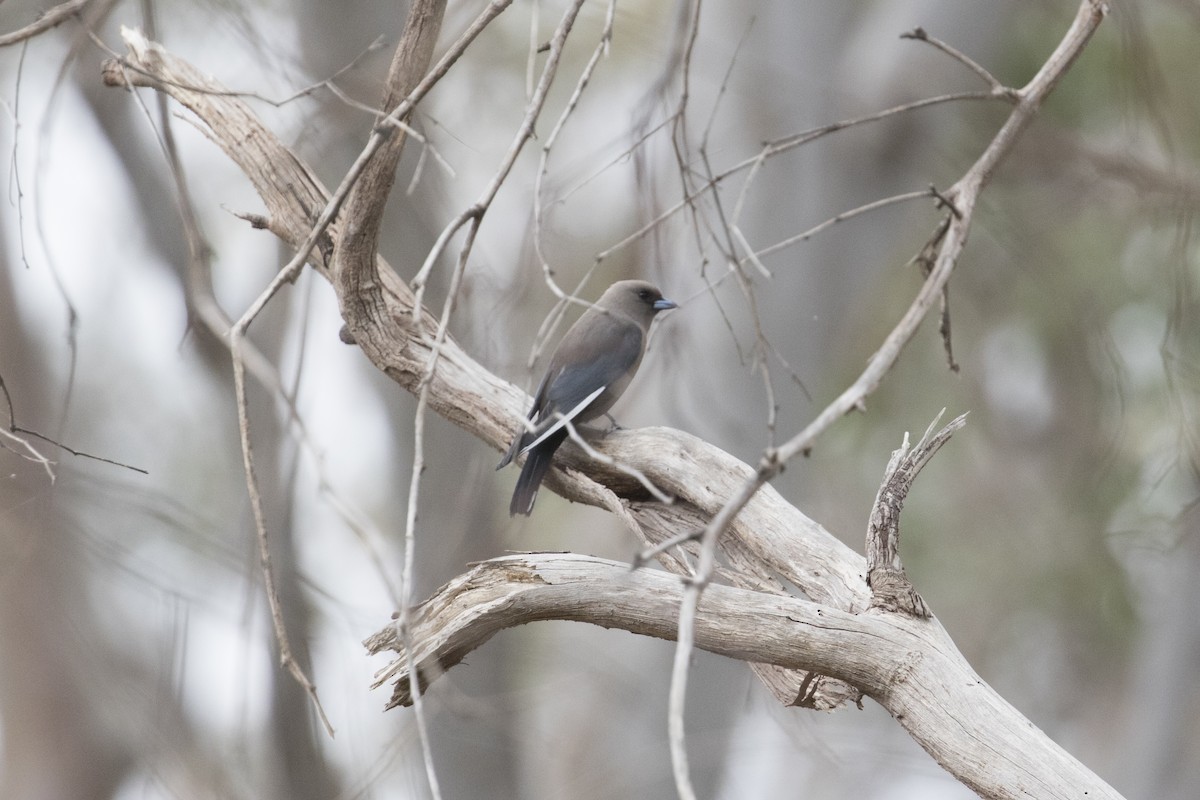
(892,591)
(770,464)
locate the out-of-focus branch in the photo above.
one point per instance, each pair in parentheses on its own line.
(12,438)
(50,18)
(998,88)
(909,666)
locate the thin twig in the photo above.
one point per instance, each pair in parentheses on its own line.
(598,52)
(564,299)
(842,217)
(31,453)
(74,452)
(773,148)
(400,125)
(677,696)
(13,432)
(620,157)
(328,83)
(524,132)
(474,215)
(559,311)
(608,460)
(998,88)
(50,18)
(646,555)
(287,660)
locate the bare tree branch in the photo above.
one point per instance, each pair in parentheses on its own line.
(998,88)
(909,666)
(50,18)
(890,588)
(25,449)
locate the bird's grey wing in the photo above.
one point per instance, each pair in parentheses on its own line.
(528,427)
(598,362)
(605,359)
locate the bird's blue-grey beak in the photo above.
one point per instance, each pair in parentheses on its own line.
(664,304)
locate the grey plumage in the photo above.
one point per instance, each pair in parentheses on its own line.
(591,367)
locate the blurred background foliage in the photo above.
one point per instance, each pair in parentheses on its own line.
(1055,537)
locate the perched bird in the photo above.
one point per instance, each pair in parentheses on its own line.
(590,369)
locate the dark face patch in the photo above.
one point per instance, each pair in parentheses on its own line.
(648,296)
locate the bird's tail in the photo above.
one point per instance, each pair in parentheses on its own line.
(537,462)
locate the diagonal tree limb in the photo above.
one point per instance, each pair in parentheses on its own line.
(50,18)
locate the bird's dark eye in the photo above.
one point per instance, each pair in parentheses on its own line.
(644,294)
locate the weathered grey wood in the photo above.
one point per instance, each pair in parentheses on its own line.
(908,665)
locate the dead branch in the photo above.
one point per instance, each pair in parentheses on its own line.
(891,589)
(908,665)
(50,18)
